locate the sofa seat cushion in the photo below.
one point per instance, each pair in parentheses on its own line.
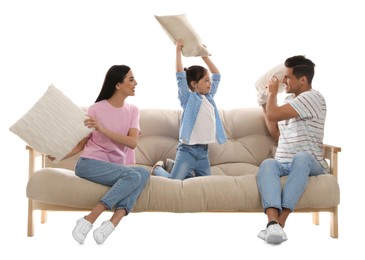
(58,186)
(234,169)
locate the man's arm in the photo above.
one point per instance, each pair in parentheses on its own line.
(271,126)
(274,112)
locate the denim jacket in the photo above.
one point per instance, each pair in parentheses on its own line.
(191,102)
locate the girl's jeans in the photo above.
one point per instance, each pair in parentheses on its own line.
(126,182)
(189,158)
(298,171)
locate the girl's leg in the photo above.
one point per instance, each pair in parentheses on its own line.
(203,164)
(161,172)
(185,163)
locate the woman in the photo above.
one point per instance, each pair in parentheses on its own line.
(108,150)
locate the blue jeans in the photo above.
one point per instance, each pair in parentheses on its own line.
(298,171)
(189,158)
(126,182)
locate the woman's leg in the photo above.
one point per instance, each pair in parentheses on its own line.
(126,185)
(129,202)
(123,180)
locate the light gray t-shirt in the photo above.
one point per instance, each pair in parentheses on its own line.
(304,132)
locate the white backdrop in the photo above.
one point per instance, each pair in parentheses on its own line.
(71,44)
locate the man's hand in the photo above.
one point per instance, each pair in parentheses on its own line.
(273,86)
(261,98)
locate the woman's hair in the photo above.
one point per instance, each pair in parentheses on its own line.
(301,67)
(194,73)
(116,74)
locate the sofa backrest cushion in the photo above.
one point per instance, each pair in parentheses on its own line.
(248,138)
(249,142)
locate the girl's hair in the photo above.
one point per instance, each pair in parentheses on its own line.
(116,74)
(194,73)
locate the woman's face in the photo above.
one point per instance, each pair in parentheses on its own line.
(127,87)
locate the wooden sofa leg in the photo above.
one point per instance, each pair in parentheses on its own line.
(334,223)
(30,219)
(315,218)
(43,216)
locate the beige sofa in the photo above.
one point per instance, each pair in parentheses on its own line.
(231,188)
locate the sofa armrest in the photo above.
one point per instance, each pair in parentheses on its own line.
(36,160)
(330,153)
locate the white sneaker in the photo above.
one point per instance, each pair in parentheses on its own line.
(81,229)
(262,234)
(102,233)
(275,234)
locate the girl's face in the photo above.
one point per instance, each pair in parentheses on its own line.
(127,87)
(203,86)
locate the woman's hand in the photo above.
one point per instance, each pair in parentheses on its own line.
(50,157)
(92,123)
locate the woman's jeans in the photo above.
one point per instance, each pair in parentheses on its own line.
(189,158)
(298,171)
(126,182)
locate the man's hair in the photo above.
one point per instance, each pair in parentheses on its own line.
(301,67)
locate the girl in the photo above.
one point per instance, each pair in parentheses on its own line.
(200,123)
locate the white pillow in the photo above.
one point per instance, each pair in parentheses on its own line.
(178,27)
(277,71)
(53,126)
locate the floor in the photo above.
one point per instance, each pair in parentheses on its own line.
(180,236)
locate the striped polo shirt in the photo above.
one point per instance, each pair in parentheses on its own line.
(304,132)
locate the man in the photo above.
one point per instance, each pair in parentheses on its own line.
(298,126)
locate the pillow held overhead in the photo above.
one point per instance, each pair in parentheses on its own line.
(178,27)
(53,126)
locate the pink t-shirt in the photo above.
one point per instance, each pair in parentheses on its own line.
(119,120)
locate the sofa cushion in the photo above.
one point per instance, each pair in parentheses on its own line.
(178,27)
(248,139)
(232,186)
(53,126)
(200,194)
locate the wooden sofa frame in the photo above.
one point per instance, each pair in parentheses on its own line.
(37,160)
